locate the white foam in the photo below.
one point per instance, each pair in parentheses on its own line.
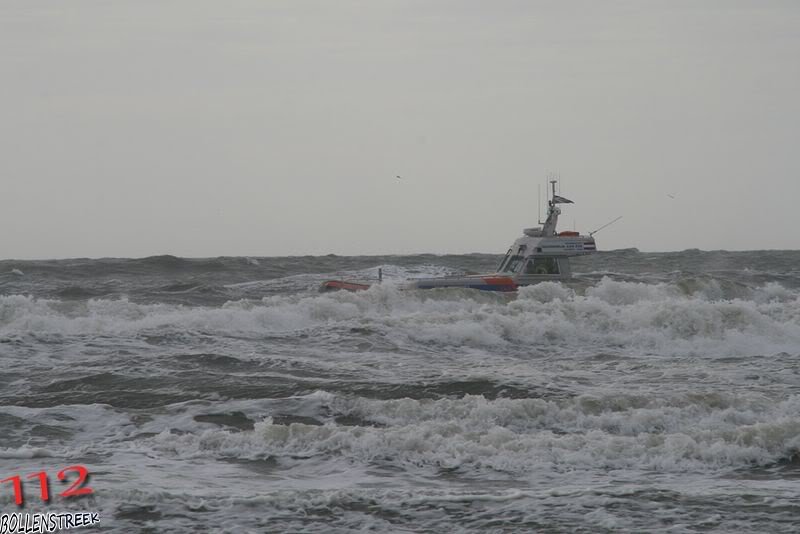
(618,316)
(26,453)
(473,434)
(513,456)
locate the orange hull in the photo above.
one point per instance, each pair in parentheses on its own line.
(336,285)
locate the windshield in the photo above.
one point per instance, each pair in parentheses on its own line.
(542,265)
(503,262)
(512,265)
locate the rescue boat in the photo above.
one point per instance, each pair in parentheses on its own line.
(541,254)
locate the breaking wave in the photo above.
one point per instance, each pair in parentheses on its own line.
(617,316)
(474,435)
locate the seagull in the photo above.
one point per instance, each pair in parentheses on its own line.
(671,196)
(399,177)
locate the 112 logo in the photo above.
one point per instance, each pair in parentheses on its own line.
(79,486)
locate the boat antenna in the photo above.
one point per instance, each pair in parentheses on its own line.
(605,226)
(539,203)
(546,192)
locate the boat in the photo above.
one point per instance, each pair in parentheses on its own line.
(541,254)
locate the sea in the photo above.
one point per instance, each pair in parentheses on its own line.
(655,392)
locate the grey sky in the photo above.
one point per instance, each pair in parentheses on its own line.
(201,128)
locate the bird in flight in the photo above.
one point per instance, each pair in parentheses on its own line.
(671,196)
(399,177)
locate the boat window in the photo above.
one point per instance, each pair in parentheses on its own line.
(513,264)
(542,266)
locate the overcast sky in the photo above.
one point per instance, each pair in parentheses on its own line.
(205,128)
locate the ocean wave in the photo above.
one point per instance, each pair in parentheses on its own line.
(620,316)
(26,453)
(517,436)
(527,462)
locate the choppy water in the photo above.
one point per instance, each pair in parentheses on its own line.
(655,392)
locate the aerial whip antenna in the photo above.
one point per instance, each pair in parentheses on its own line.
(605,226)
(539,202)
